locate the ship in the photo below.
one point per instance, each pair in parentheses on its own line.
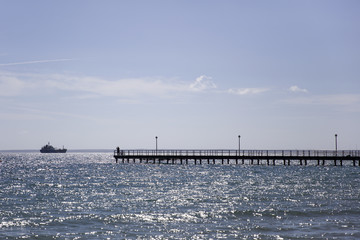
(50,149)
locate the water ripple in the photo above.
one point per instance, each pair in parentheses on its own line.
(86,195)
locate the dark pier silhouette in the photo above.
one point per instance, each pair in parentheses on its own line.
(250,157)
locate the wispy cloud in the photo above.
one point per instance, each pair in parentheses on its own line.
(84,87)
(13,84)
(333,99)
(297,89)
(24,116)
(343,102)
(202,83)
(130,87)
(29,112)
(247,91)
(36,61)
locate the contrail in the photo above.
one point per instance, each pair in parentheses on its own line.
(34,62)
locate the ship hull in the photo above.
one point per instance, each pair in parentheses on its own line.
(54,151)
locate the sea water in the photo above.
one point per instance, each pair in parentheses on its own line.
(89,196)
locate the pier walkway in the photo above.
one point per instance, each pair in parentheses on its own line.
(250,157)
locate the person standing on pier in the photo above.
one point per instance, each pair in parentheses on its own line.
(118,151)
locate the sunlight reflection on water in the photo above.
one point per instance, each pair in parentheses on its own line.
(87,195)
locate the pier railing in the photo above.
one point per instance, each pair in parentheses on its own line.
(241,153)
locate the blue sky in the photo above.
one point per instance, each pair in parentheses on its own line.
(101,74)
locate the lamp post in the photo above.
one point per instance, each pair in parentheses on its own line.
(239,144)
(156,145)
(336,144)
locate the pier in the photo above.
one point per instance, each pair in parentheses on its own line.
(249,157)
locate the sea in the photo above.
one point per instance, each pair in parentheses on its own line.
(86,195)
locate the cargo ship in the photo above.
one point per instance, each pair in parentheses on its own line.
(50,149)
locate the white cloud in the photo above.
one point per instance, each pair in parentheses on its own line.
(297,89)
(202,83)
(247,91)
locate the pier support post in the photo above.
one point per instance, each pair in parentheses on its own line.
(274,162)
(284,162)
(289,162)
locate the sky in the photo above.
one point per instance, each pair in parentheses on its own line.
(197,74)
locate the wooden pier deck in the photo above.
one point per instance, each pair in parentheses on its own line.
(250,157)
